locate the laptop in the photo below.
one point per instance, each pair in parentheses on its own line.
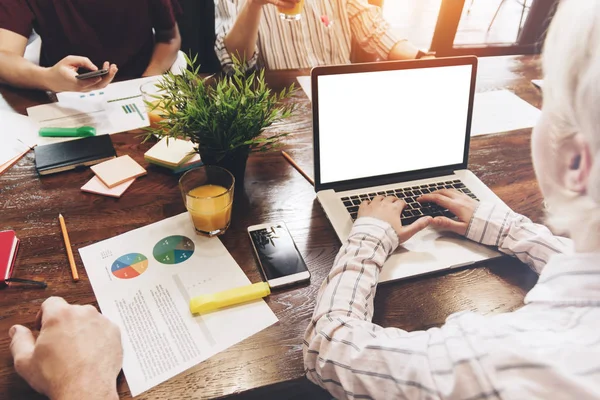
(398,128)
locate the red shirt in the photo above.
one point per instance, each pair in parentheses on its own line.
(118,31)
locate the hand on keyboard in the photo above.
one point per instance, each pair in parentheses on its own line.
(388,209)
(459,204)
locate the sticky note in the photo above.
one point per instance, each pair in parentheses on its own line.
(96,186)
(118,170)
(171,153)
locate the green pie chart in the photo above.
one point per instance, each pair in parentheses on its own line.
(173,250)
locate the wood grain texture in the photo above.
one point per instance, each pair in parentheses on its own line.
(269,364)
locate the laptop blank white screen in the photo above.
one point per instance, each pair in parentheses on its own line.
(379,123)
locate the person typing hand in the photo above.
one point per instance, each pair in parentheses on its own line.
(457,203)
(388,209)
(77,354)
(61,76)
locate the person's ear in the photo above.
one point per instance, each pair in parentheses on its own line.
(578,162)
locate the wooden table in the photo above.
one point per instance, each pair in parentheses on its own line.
(269,364)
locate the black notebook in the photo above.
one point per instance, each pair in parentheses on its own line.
(65,156)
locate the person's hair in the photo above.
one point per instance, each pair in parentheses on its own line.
(571,63)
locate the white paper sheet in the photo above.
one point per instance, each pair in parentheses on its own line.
(304,82)
(10,149)
(497,111)
(150,300)
(501,111)
(17,134)
(17,126)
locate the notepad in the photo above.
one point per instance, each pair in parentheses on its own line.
(9,243)
(193,162)
(65,156)
(96,186)
(118,170)
(170,152)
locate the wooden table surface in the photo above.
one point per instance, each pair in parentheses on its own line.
(268,364)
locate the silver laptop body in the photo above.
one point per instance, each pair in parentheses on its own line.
(397,128)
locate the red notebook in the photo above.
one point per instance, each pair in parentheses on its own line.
(8,252)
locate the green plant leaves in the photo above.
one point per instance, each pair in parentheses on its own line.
(221,116)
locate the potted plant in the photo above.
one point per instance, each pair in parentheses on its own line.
(225,118)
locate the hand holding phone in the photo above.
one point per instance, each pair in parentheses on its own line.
(63,76)
(278,256)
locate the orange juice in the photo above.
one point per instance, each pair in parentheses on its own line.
(292,13)
(210,208)
(155,114)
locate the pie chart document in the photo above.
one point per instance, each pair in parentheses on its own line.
(143,281)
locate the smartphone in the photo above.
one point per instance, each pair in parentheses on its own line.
(92,74)
(278,256)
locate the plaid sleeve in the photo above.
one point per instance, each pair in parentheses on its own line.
(371,31)
(516,235)
(345,353)
(226,12)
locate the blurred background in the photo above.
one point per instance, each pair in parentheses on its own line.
(448,27)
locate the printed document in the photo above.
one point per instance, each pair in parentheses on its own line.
(143,281)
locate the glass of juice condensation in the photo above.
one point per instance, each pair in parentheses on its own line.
(292,14)
(151,95)
(208,196)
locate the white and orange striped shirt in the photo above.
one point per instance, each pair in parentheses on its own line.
(323,36)
(548,349)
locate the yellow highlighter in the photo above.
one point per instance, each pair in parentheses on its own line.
(210,302)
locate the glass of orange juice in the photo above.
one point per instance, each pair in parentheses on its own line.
(208,196)
(291,14)
(152,95)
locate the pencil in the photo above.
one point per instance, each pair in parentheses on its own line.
(63,227)
(291,161)
(28,281)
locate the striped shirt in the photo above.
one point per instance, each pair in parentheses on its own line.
(548,349)
(322,37)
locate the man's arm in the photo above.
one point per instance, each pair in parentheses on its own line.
(516,235)
(375,35)
(237,33)
(167,44)
(403,50)
(241,40)
(15,70)
(345,353)
(498,226)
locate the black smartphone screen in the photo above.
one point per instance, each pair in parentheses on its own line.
(277,252)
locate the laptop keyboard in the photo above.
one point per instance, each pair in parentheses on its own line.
(413,210)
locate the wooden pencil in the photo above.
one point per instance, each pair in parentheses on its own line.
(63,227)
(293,163)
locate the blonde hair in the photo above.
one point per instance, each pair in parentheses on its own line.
(571,63)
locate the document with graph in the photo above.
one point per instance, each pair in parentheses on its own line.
(143,281)
(119,107)
(107,118)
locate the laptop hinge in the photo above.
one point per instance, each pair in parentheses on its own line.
(386,180)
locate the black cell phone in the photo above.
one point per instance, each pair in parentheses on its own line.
(278,256)
(92,74)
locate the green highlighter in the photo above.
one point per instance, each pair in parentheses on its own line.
(82,131)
